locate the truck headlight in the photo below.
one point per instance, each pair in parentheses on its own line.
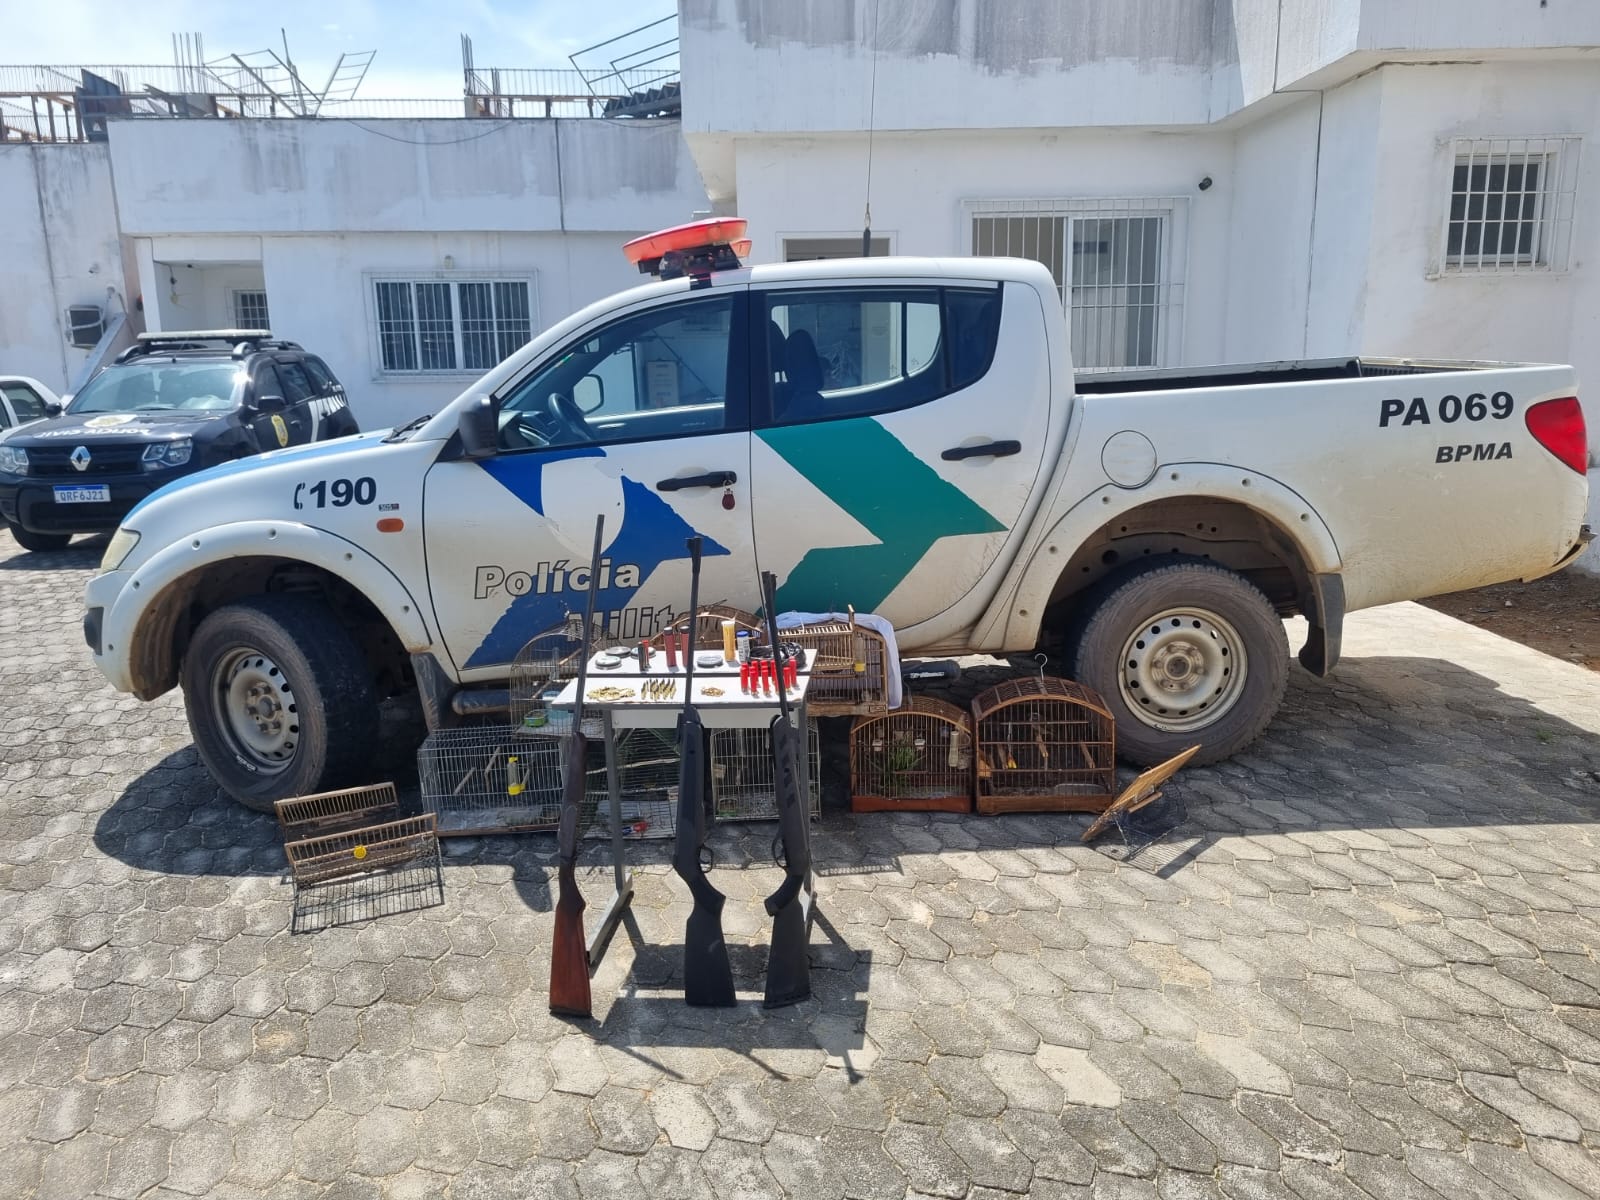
(168,454)
(13,460)
(118,548)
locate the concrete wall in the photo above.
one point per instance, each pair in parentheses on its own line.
(315,208)
(58,246)
(399,176)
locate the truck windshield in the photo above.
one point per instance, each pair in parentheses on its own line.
(143,387)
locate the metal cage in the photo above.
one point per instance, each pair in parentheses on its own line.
(742,778)
(849,676)
(545,664)
(508,779)
(1043,745)
(915,759)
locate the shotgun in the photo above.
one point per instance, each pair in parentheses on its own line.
(707,973)
(788,961)
(569,953)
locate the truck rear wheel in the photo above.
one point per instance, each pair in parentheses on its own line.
(1184,653)
(279,698)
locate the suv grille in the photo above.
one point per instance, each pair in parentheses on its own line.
(56,461)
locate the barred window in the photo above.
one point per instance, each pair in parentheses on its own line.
(1511,204)
(250,310)
(448,325)
(1118,265)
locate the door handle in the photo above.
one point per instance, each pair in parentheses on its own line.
(985,450)
(711,479)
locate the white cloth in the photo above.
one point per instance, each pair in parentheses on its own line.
(870,621)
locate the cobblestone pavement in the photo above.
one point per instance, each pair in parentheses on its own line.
(1374,975)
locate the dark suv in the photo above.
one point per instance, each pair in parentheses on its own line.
(171,405)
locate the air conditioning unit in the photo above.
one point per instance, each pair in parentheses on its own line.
(85,325)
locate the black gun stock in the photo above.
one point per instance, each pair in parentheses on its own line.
(789,959)
(707,973)
(569,953)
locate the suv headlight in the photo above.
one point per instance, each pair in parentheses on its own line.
(13,460)
(168,454)
(117,550)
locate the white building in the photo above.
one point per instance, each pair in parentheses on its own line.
(1210,180)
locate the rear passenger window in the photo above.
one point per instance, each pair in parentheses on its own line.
(297,385)
(847,352)
(320,376)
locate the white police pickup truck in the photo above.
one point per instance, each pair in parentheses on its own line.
(904,435)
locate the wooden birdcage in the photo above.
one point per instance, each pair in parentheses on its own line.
(708,627)
(545,665)
(849,676)
(1043,745)
(915,759)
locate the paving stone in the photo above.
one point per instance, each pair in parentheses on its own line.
(263,1152)
(1176,1143)
(1453,1176)
(136,1164)
(1296,1134)
(623,1120)
(1055,1155)
(509,1131)
(1234,1136)
(804,1166)
(1113,1146)
(930,1165)
(736,1169)
(1536,1117)
(201,1156)
(386,1141)
(1386,1178)
(1519,1175)
(683,1116)
(991,1158)
(74,1169)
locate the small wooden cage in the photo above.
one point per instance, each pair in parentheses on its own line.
(545,665)
(850,674)
(1043,745)
(708,627)
(915,759)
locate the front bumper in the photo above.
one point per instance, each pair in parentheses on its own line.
(33,505)
(100,628)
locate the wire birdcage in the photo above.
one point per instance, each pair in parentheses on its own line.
(1043,745)
(742,787)
(915,759)
(508,779)
(708,626)
(849,675)
(545,664)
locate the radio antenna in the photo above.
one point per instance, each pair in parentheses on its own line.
(872,121)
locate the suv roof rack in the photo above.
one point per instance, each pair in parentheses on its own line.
(242,342)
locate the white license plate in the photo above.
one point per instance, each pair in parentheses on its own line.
(99,493)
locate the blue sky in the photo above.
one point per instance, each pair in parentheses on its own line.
(416,40)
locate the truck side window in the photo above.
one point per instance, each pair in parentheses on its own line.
(854,351)
(320,375)
(658,374)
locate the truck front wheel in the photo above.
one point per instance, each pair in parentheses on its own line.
(1184,653)
(279,698)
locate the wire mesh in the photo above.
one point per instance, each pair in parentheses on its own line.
(849,676)
(360,873)
(507,779)
(1043,745)
(915,759)
(742,775)
(547,662)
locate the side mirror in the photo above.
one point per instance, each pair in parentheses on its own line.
(589,394)
(54,408)
(479,426)
(270,404)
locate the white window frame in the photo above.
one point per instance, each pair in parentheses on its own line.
(1172,263)
(236,294)
(370,281)
(1555,204)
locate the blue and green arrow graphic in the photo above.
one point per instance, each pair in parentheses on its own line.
(893,494)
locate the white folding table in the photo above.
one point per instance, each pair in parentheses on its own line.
(721,705)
